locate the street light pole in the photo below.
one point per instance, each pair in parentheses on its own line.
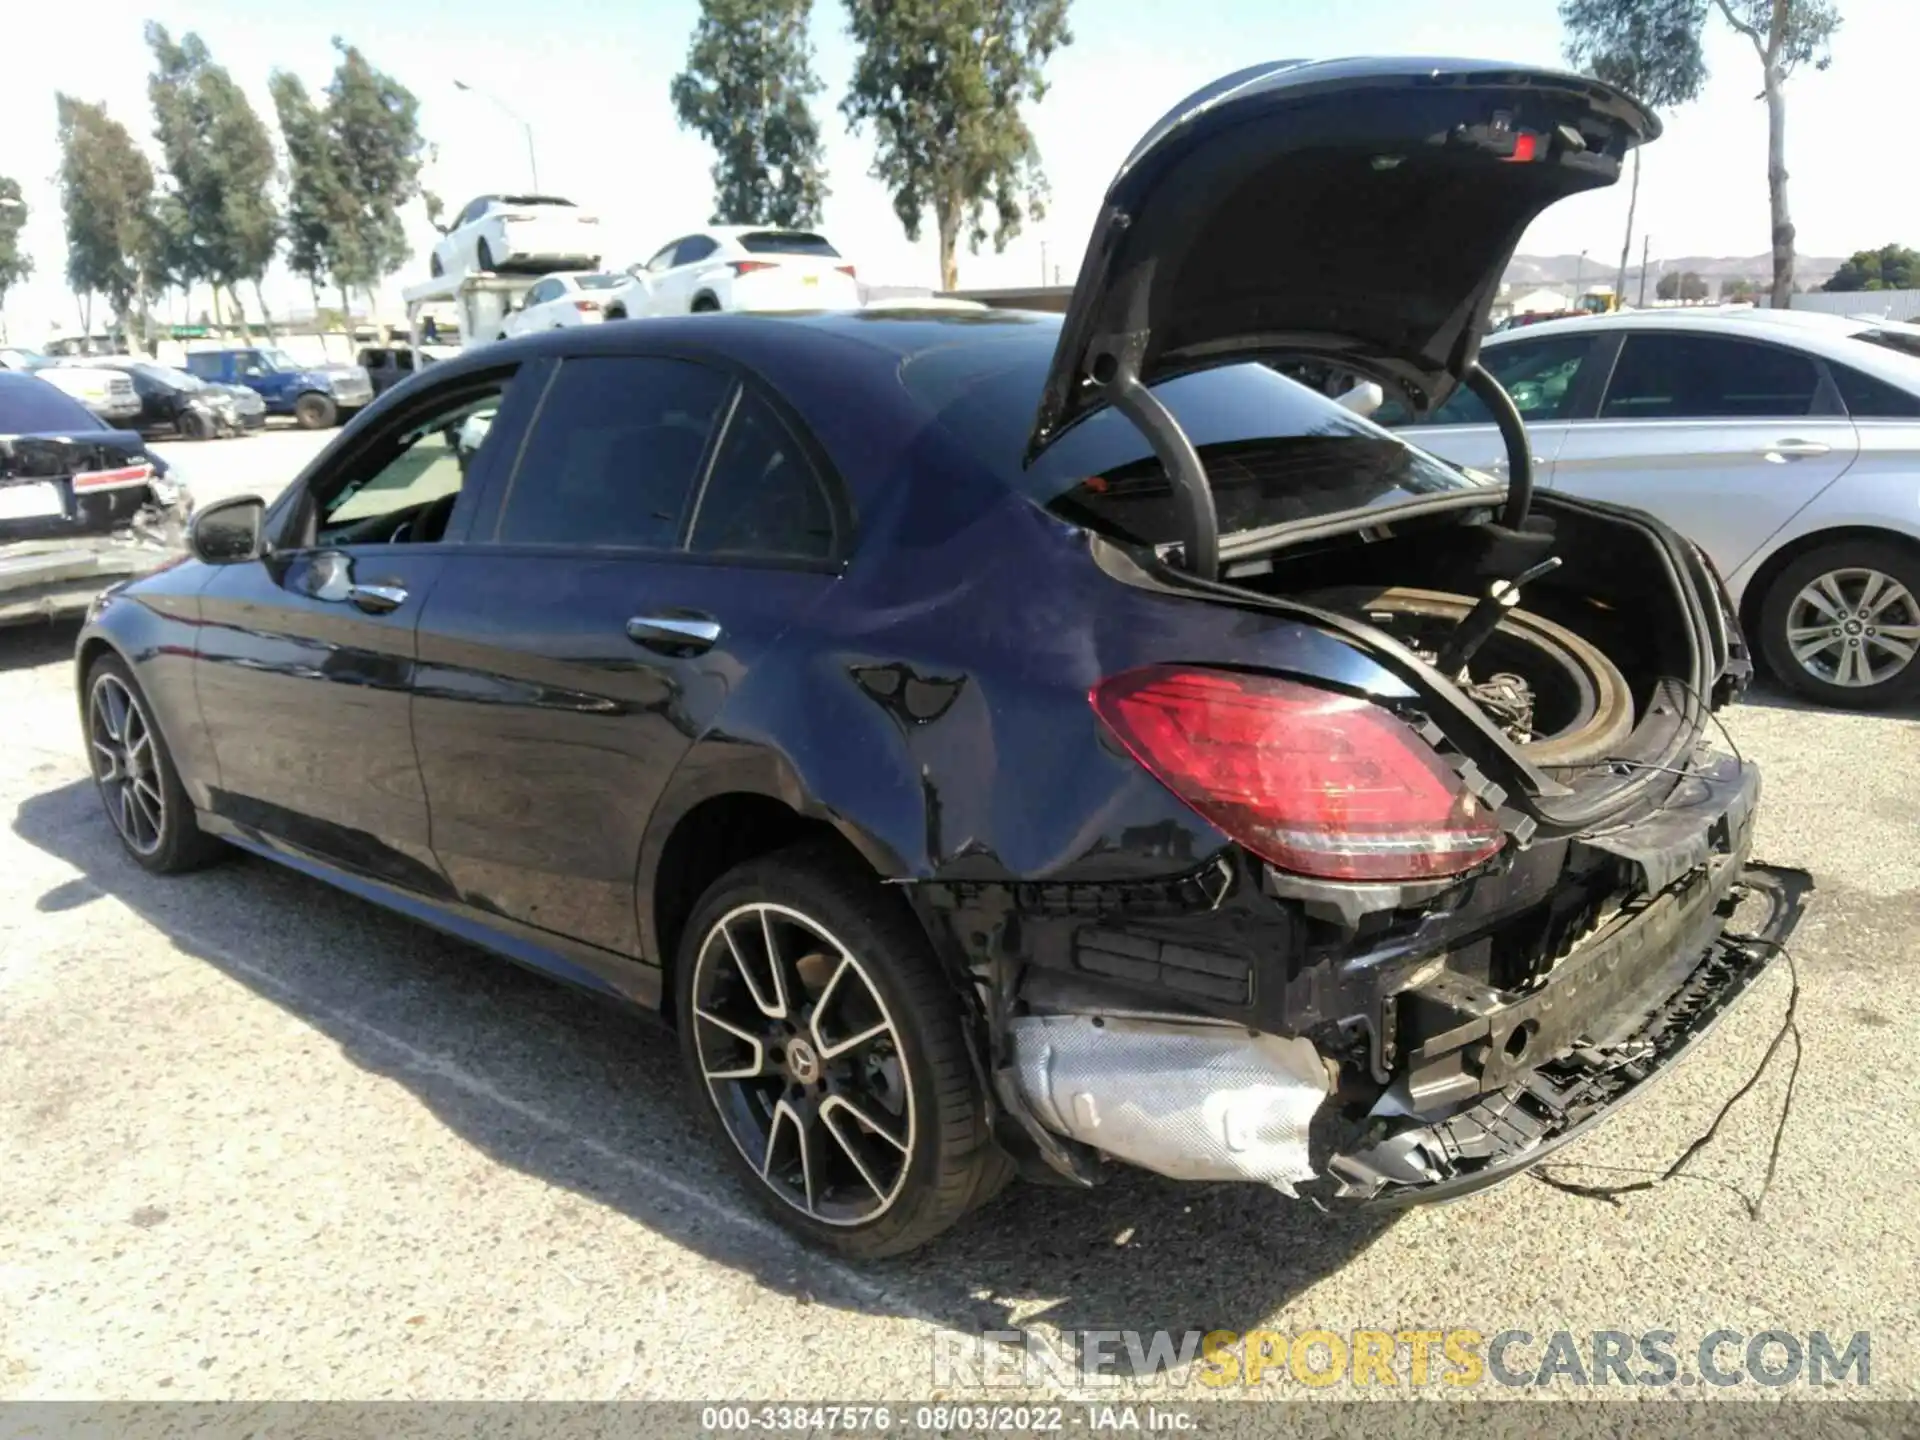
(533,165)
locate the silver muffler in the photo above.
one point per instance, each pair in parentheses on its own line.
(1189,1099)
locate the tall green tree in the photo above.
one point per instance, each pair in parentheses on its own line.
(316,198)
(373,131)
(1785,34)
(942,82)
(106,191)
(15,264)
(1649,48)
(1891,267)
(220,156)
(745,90)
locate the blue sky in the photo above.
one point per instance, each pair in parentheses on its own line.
(591,76)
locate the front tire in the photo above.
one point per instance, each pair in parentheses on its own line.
(314,411)
(705,305)
(434,267)
(134,773)
(827,1047)
(1841,625)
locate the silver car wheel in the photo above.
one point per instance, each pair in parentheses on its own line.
(1854,627)
(126,764)
(804,1064)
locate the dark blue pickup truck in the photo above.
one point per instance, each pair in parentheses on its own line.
(316,396)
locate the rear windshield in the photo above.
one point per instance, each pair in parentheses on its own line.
(1892,340)
(599,282)
(1275,451)
(171,378)
(787,242)
(30,406)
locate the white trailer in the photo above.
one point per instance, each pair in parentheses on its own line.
(475,306)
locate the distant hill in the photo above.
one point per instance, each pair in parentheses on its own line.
(1527,271)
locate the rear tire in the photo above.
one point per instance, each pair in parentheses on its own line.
(483,255)
(705,305)
(842,1089)
(617,312)
(1817,640)
(134,774)
(434,267)
(314,411)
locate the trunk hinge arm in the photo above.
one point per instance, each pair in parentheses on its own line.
(1193,496)
(1513,432)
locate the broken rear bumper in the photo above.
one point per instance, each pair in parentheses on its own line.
(47,579)
(1517,1126)
(1484,1081)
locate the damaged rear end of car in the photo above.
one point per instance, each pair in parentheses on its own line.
(81,506)
(1480,847)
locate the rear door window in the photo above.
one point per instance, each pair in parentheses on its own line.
(1708,377)
(764,497)
(1867,398)
(694,248)
(614,455)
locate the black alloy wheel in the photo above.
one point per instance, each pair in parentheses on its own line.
(135,775)
(828,1047)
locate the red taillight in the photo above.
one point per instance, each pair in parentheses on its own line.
(1316,783)
(847,270)
(1524,148)
(586,305)
(747,267)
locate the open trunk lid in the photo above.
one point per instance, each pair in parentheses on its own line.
(1361,210)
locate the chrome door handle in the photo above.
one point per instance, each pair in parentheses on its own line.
(377,599)
(674,634)
(1796,449)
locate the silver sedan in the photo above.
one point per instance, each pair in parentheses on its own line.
(1787,446)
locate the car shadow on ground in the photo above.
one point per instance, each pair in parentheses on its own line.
(562,1086)
(1768,694)
(27,647)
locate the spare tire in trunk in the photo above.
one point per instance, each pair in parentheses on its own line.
(1559,697)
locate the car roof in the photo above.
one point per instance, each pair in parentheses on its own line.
(1830,341)
(864,351)
(734,232)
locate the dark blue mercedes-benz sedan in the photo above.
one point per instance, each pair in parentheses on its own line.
(1000,742)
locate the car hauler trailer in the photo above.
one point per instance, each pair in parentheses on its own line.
(477,306)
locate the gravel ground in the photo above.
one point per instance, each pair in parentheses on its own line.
(262,1140)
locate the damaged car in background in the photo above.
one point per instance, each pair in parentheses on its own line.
(82,506)
(1004,743)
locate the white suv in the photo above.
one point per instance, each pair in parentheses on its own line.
(518,232)
(738,267)
(1787,449)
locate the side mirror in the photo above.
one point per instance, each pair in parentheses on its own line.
(227,532)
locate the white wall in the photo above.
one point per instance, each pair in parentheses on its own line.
(1885,304)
